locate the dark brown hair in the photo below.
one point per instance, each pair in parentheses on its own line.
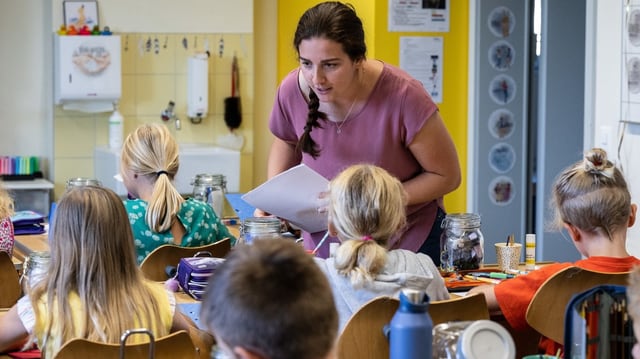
(335,21)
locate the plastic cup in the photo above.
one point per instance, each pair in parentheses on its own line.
(508,256)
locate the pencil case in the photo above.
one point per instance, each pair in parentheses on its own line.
(193,274)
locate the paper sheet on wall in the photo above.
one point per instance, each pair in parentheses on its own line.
(422,58)
(293,195)
(419,15)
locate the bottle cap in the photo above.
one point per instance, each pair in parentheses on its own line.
(486,339)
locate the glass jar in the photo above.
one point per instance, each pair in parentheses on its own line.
(81,181)
(36,267)
(259,227)
(210,188)
(461,242)
(445,338)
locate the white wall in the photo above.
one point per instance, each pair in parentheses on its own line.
(25,98)
(170,16)
(606,78)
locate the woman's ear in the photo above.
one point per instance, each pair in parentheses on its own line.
(632,215)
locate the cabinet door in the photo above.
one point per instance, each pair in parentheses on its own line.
(87,67)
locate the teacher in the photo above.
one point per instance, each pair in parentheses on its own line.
(339,108)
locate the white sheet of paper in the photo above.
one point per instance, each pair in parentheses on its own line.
(293,195)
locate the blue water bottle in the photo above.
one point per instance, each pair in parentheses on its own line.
(410,330)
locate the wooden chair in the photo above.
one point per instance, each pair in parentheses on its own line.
(155,264)
(546,312)
(469,307)
(10,290)
(363,337)
(174,345)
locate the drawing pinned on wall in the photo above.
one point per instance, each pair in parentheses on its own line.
(501,191)
(80,14)
(421,57)
(633,76)
(501,21)
(633,27)
(502,89)
(501,55)
(630,86)
(502,157)
(501,124)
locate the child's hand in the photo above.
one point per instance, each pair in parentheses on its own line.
(323,202)
(260,213)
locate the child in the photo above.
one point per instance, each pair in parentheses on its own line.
(6,227)
(592,202)
(366,208)
(94,289)
(159,215)
(269,300)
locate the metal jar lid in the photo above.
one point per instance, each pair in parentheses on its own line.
(82,181)
(210,179)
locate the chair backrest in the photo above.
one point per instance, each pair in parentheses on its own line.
(10,290)
(155,264)
(469,307)
(363,335)
(174,345)
(546,312)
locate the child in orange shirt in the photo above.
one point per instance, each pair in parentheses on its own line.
(592,202)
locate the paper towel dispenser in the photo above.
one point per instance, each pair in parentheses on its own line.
(87,68)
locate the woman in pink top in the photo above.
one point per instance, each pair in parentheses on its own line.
(340,108)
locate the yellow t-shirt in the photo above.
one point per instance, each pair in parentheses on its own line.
(165,299)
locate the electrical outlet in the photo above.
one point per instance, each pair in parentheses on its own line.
(605,140)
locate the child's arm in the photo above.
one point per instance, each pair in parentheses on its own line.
(489,295)
(13,334)
(202,340)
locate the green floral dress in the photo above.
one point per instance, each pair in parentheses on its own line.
(202,226)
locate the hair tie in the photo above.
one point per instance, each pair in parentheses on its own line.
(161,173)
(367,238)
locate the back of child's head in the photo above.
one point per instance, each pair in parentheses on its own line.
(592,195)
(366,208)
(152,152)
(90,235)
(271,298)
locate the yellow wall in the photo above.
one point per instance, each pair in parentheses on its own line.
(384,45)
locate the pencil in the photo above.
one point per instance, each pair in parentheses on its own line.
(326,235)
(482,279)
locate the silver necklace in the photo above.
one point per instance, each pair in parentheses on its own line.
(346,118)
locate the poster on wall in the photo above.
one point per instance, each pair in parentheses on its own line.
(419,15)
(631,63)
(421,57)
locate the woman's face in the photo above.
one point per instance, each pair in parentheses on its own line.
(327,69)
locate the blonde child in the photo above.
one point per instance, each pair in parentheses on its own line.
(94,289)
(366,208)
(158,214)
(592,202)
